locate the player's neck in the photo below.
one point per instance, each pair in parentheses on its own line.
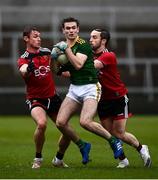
(100,50)
(32,50)
(71,42)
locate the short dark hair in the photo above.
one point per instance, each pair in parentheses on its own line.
(28,29)
(70,19)
(105,34)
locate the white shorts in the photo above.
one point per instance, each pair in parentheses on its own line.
(79,93)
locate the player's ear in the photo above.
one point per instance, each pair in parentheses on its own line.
(78,29)
(25,38)
(104,41)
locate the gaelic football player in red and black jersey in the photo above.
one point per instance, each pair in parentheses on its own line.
(35,68)
(113,108)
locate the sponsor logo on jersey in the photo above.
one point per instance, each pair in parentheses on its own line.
(42,71)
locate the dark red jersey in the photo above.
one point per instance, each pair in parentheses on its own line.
(40,83)
(109,77)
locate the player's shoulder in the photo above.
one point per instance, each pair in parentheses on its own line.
(42,52)
(109,54)
(112,54)
(23,58)
(83,44)
(25,55)
(107,57)
(81,40)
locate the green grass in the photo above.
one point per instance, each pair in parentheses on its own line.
(17,152)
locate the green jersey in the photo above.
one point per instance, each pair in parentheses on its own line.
(87,74)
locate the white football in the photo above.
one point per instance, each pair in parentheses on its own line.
(62,59)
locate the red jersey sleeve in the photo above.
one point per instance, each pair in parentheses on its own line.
(107,58)
(21,61)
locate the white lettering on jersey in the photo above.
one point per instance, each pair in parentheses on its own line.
(42,71)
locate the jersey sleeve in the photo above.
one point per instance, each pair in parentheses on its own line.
(107,58)
(21,61)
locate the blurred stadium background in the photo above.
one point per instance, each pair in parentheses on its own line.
(134,28)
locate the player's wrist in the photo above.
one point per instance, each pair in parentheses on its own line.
(30,67)
(55,53)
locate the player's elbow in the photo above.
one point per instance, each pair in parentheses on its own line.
(78,67)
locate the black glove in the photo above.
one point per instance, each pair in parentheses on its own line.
(31,67)
(63,68)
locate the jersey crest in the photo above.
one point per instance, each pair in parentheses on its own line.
(80,41)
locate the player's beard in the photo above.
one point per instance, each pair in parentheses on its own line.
(97,46)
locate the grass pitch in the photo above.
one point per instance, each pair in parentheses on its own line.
(17,152)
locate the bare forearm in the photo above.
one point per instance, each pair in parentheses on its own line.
(23,70)
(75,61)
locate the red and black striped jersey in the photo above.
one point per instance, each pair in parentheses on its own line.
(40,83)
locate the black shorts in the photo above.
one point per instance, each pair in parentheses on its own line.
(50,105)
(116,109)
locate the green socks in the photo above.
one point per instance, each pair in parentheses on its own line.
(112,140)
(80,143)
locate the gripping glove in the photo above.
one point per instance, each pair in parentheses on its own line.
(61,45)
(31,67)
(62,68)
(56,52)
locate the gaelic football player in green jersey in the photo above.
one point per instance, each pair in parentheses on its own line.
(84,90)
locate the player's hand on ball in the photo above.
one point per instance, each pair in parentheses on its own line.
(56,52)
(59,56)
(61,45)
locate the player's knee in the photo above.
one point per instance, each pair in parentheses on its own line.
(42,125)
(118,134)
(84,123)
(60,124)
